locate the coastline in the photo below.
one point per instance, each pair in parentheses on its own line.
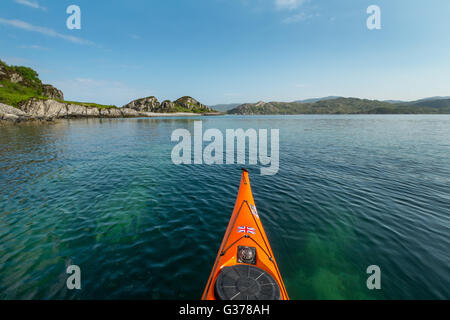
(44,111)
(9,119)
(180,114)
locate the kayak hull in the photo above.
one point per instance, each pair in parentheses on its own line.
(245,238)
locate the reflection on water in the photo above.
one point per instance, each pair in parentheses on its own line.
(103,194)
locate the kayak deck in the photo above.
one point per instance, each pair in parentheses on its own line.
(245,267)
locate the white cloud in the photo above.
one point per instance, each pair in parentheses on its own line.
(288,4)
(43,30)
(32,4)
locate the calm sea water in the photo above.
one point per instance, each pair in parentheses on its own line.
(351,191)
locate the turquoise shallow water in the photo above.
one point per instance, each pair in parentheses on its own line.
(351,191)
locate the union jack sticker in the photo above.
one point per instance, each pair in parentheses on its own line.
(246,230)
(254,211)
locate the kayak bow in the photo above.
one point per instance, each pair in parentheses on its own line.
(245,267)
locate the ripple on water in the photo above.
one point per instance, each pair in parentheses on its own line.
(103,194)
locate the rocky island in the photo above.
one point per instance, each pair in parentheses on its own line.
(23,97)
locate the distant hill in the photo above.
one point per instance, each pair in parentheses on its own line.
(344,106)
(417,101)
(432,98)
(225,107)
(229,106)
(395,101)
(317,99)
(432,103)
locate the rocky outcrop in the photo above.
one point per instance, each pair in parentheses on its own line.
(148,104)
(54,109)
(29,78)
(51,92)
(5,109)
(47,102)
(183,104)
(15,78)
(74,110)
(192,104)
(44,108)
(8,113)
(167,106)
(38,108)
(92,112)
(3,70)
(127,112)
(20,75)
(110,113)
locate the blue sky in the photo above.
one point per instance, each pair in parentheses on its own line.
(224,51)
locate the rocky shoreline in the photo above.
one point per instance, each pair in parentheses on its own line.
(23,98)
(50,110)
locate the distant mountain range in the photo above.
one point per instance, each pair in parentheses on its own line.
(225,107)
(229,106)
(416,101)
(21,88)
(341,105)
(317,99)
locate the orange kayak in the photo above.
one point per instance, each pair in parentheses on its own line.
(245,267)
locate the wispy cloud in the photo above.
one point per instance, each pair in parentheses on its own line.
(135,37)
(295,18)
(296,10)
(288,4)
(43,30)
(33,46)
(32,4)
(301,16)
